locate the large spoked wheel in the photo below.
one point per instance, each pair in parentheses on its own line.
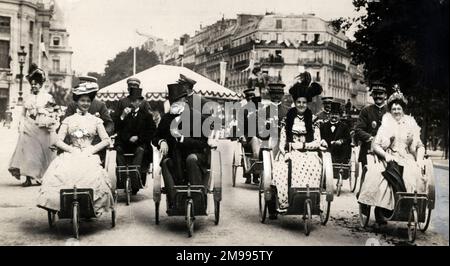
(216,212)
(307,217)
(324,209)
(339,185)
(262,203)
(128,190)
(76,220)
(234,171)
(190,217)
(156,212)
(412,224)
(424,226)
(364,214)
(51,219)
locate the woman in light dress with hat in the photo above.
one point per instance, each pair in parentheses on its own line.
(37,132)
(397,140)
(79,165)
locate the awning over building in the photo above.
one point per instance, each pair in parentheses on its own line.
(154,84)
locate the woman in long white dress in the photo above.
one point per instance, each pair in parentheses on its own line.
(37,132)
(79,165)
(398,139)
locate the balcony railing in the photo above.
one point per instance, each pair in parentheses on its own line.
(272,60)
(311,62)
(4,29)
(58,72)
(339,66)
(241,64)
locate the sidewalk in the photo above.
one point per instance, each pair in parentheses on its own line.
(438,159)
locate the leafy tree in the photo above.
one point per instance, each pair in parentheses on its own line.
(122,65)
(405,42)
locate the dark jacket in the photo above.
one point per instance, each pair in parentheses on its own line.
(367,126)
(339,153)
(96,107)
(124,103)
(179,151)
(138,124)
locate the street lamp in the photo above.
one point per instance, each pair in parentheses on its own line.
(22,57)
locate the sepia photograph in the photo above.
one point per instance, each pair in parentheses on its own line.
(256,123)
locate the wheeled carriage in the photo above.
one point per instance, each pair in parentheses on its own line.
(191,200)
(347,171)
(77,204)
(250,166)
(307,201)
(413,208)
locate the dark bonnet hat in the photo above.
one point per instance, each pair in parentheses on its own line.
(35,73)
(304,88)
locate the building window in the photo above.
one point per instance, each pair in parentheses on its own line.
(279,24)
(30,54)
(5,24)
(304,25)
(318,76)
(304,37)
(4,54)
(31,30)
(56,65)
(56,41)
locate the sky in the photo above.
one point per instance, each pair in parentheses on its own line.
(99,29)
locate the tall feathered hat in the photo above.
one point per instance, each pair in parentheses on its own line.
(35,73)
(397,95)
(305,88)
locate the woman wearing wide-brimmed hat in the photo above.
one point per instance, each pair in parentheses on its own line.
(37,128)
(79,165)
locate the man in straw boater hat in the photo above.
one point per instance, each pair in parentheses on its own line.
(180,149)
(134,134)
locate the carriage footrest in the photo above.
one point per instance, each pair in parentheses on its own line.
(297,198)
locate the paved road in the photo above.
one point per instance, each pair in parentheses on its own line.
(24,224)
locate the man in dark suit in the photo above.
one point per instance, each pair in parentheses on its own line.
(135,130)
(181,149)
(133,85)
(97,108)
(369,120)
(367,126)
(337,135)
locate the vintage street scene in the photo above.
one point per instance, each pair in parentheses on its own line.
(224,123)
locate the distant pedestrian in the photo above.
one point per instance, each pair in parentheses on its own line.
(37,132)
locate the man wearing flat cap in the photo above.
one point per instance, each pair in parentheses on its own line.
(124,106)
(324,115)
(135,131)
(369,121)
(184,155)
